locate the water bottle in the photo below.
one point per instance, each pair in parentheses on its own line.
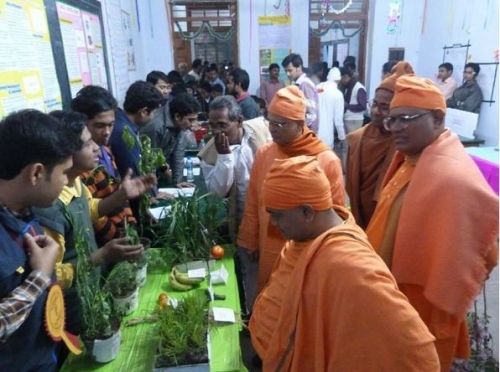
(189,169)
(202,144)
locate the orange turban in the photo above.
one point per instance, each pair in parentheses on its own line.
(413,91)
(399,69)
(289,103)
(295,181)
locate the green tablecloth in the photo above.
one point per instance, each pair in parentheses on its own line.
(138,343)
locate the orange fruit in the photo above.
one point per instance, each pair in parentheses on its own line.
(217,252)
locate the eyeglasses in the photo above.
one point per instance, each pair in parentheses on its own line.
(404,120)
(279,124)
(382,107)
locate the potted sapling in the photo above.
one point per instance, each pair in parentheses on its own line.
(141,264)
(100,324)
(122,284)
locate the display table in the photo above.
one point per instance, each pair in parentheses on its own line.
(139,342)
(486,159)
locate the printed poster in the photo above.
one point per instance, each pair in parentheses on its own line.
(274,43)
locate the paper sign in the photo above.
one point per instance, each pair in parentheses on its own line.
(160,212)
(219,276)
(175,192)
(196,171)
(223,314)
(463,123)
(197,273)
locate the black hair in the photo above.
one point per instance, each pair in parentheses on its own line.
(142,94)
(350,65)
(205,85)
(174,77)
(473,66)
(217,88)
(294,59)
(447,66)
(154,76)
(318,70)
(74,123)
(93,100)
(196,63)
(30,136)
(346,71)
(336,64)
(387,67)
(274,65)
(262,103)
(178,88)
(184,104)
(241,78)
(212,67)
(349,59)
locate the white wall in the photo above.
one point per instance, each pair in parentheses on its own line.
(379,41)
(465,20)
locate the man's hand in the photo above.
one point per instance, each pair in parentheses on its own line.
(222,143)
(135,187)
(117,250)
(42,251)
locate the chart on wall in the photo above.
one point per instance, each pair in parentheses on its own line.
(274,43)
(83,47)
(27,69)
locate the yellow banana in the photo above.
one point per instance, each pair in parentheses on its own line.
(183,278)
(176,285)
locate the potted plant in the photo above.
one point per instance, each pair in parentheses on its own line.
(122,284)
(101,326)
(141,264)
(183,334)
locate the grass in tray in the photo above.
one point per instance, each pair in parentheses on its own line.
(183,331)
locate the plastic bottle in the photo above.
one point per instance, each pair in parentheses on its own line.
(189,169)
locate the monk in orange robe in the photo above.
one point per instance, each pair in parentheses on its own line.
(291,137)
(370,151)
(331,303)
(436,222)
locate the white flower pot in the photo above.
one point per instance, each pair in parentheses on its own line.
(142,273)
(127,305)
(104,351)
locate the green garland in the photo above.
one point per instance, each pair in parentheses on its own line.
(336,24)
(205,26)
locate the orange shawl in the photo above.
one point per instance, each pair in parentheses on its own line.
(255,232)
(306,144)
(447,227)
(368,157)
(341,311)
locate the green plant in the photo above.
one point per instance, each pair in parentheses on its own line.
(155,259)
(121,281)
(97,312)
(131,233)
(183,331)
(191,227)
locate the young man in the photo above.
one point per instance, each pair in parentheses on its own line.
(445,81)
(161,82)
(36,155)
(268,88)
(216,90)
(213,78)
(294,70)
(205,96)
(370,151)
(141,101)
(75,211)
(237,85)
(291,137)
(467,97)
(167,132)
(331,107)
(436,220)
(99,106)
(355,100)
(331,303)
(196,68)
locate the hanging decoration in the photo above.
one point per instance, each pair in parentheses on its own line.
(205,26)
(334,25)
(394,17)
(326,7)
(286,6)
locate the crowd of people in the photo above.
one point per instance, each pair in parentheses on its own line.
(363,230)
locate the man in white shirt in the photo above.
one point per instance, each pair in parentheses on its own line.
(226,163)
(445,81)
(331,105)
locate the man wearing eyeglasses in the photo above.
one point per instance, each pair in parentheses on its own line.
(436,221)
(370,150)
(291,137)
(226,163)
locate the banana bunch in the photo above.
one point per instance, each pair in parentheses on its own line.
(181,281)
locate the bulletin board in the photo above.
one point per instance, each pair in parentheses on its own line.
(27,67)
(274,43)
